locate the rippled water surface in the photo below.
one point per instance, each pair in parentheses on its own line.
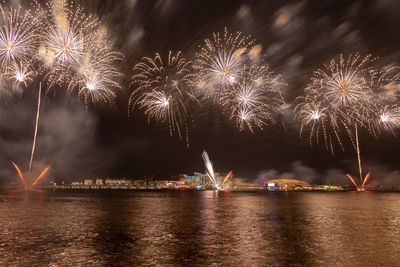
(199,228)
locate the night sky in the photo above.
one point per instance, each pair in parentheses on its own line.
(297,37)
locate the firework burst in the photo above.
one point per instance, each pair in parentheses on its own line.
(67,32)
(162,89)
(67,29)
(96,75)
(18,35)
(221,60)
(76,52)
(21,72)
(388,119)
(256,98)
(342,97)
(339,96)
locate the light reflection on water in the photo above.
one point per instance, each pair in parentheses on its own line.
(199,228)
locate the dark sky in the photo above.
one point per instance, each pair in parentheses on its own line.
(296,36)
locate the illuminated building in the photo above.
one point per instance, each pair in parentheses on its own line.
(287,184)
(88,182)
(197,179)
(111,182)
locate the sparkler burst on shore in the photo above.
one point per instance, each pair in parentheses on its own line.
(163,89)
(209,168)
(220,61)
(37,179)
(210,172)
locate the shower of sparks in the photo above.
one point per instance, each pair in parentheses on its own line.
(209,168)
(66,46)
(162,89)
(339,96)
(221,60)
(21,73)
(211,174)
(97,76)
(20,175)
(18,35)
(75,51)
(67,32)
(360,186)
(256,99)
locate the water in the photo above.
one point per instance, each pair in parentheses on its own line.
(199,228)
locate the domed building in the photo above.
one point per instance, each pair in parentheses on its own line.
(287,184)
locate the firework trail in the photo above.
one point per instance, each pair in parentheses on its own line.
(162,89)
(36,128)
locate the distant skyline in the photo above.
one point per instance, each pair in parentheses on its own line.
(296,37)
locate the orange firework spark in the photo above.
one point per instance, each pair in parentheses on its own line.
(19,173)
(226,178)
(360,188)
(42,174)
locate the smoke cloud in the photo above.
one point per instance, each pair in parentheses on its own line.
(66,140)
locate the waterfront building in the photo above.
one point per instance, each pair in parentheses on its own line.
(112,182)
(196,179)
(286,184)
(88,182)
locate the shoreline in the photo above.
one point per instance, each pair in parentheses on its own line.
(121,190)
